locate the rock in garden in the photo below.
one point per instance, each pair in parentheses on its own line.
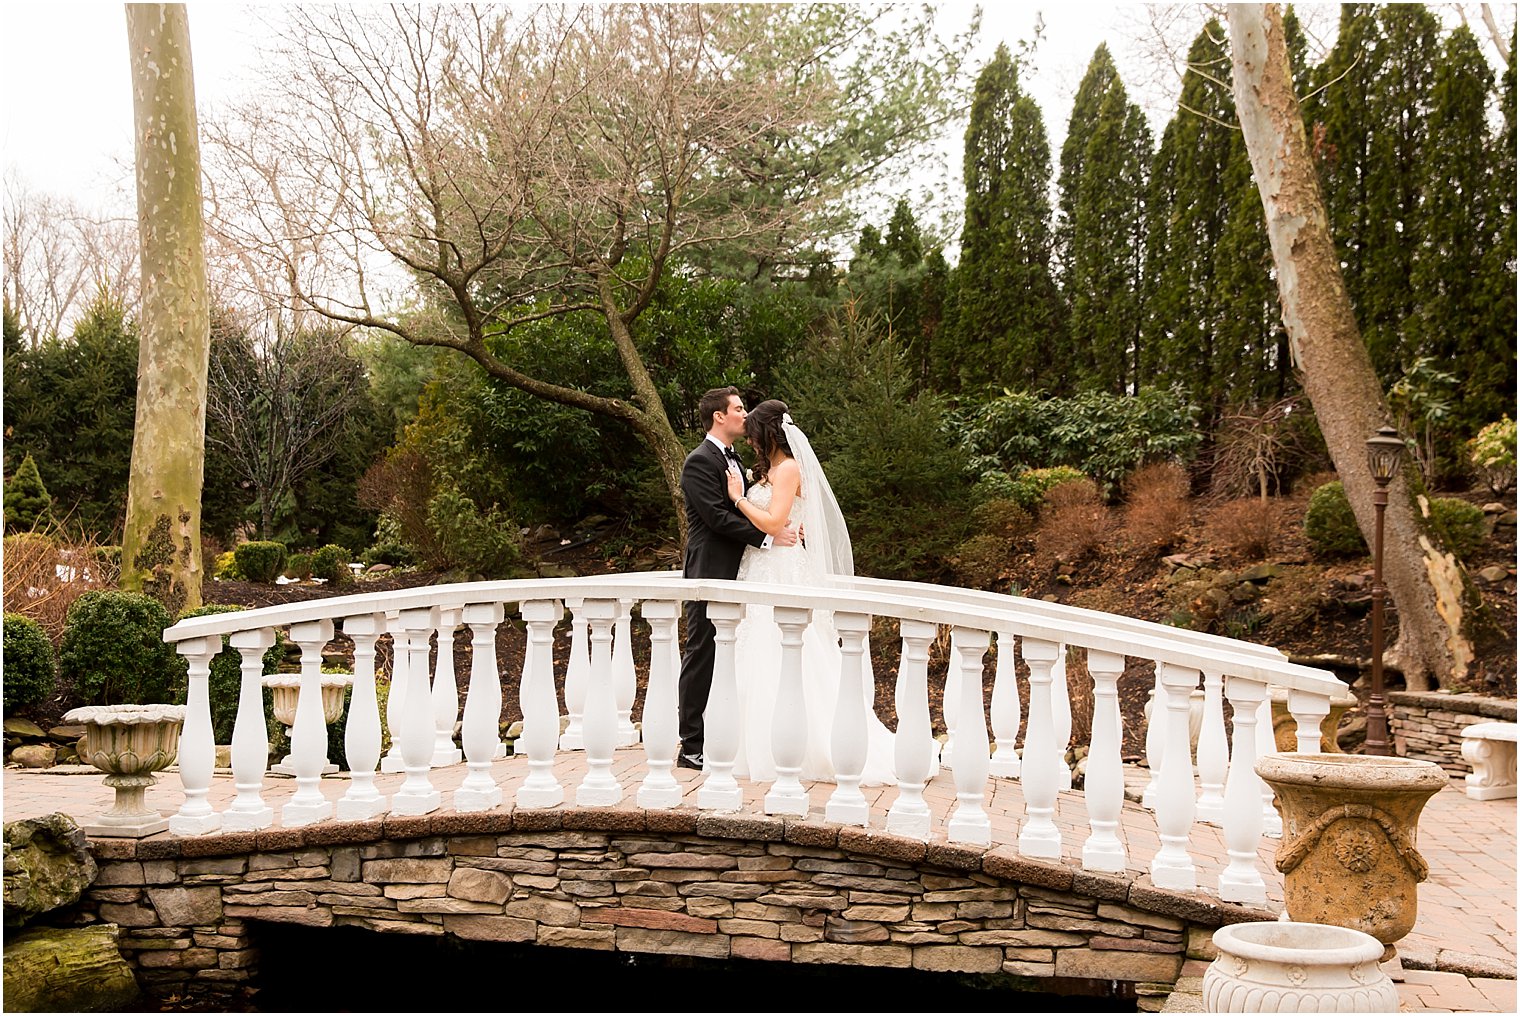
(1494,508)
(34,756)
(377,569)
(1507,519)
(1244,593)
(1493,573)
(68,970)
(66,733)
(24,729)
(47,866)
(1261,573)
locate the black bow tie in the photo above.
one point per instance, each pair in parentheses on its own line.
(730,453)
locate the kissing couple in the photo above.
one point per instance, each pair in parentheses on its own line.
(753,530)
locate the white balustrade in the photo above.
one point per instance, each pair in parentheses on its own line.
(1308,711)
(969,822)
(1155,740)
(599,787)
(396,695)
(197,741)
(482,710)
(1241,880)
(789,723)
(1104,784)
(950,703)
(1005,710)
(417,795)
(1060,717)
(361,737)
(624,681)
(1213,753)
(660,789)
(540,707)
(577,674)
(847,740)
(1266,742)
(1172,867)
(308,737)
(446,692)
(913,747)
(250,737)
(1040,837)
(720,791)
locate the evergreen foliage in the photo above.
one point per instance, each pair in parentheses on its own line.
(901,283)
(260,560)
(29,663)
(1460,524)
(28,505)
(330,563)
(1330,525)
(1086,115)
(113,651)
(1492,455)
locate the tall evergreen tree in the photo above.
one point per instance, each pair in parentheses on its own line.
(1499,260)
(1108,244)
(1085,113)
(894,281)
(1008,320)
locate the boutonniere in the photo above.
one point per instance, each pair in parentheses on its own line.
(749,475)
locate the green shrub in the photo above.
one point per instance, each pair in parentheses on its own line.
(331,563)
(260,560)
(1492,454)
(484,543)
(1030,487)
(389,547)
(113,651)
(27,502)
(225,683)
(1461,525)
(297,566)
(29,663)
(1330,525)
(226,567)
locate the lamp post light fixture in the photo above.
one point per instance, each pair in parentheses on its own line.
(1385,453)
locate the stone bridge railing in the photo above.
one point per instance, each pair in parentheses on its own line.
(424,703)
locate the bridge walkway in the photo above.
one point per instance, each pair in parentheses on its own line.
(1467,919)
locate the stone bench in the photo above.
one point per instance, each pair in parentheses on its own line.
(1490,747)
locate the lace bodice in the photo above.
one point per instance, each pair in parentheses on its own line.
(760,495)
(784,565)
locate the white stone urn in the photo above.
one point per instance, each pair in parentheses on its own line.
(1195,715)
(285,692)
(1285,966)
(129,744)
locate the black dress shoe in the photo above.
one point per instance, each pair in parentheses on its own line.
(689,761)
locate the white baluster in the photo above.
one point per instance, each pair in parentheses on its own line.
(1266,741)
(1104,786)
(308,737)
(395,698)
(197,742)
(1060,706)
(1005,710)
(660,789)
(1155,740)
(950,703)
(577,674)
(624,681)
(445,692)
(720,791)
(599,720)
(847,740)
(1041,780)
(969,822)
(1309,711)
(911,748)
(789,724)
(361,737)
(1213,752)
(1172,867)
(250,737)
(1241,880)
(482,710)
(540,707)
(417,795)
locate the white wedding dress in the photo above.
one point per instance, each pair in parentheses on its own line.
(758,671)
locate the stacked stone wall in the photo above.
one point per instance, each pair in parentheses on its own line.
(648,882)
(1428,725)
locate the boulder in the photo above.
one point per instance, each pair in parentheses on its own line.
(47,865)
(65,733)
(26,730)
(34,756)
(1261,573)
(68,970)
(1507,519)
(1493,573)
(1494,508)
(377,569)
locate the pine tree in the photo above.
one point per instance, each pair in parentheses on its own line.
(894,281)
(1085,110)
(27,503)
(1499,262)
(1108,234)
(1008,320)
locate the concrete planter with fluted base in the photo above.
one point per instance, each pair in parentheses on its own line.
(129,744)
(1285,966)
(1348,853)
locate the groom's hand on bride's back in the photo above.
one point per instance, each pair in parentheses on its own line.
(788,537)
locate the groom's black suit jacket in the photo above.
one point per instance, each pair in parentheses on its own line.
(716,531)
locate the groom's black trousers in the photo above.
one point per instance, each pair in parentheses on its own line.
(696,675)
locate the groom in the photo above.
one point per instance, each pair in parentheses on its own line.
(717,534)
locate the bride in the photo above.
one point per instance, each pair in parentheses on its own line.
(790,488)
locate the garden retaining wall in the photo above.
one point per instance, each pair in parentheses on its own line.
(1428,725)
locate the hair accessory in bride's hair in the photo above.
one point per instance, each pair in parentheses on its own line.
(786,420)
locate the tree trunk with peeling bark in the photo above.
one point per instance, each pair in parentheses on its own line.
(1431,590)
(161,542)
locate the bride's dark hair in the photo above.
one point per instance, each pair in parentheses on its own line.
(763,429)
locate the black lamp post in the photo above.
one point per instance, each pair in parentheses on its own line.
(1385,452)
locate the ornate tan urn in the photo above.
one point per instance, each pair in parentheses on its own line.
(1285,727)
(1348,853)
(129,744)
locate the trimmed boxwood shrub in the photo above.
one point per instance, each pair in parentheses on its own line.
(331,563)
(1030,487)
(297,566)
(29,664)
(1461,525)
(226,679)
(260,560)
(1330,525)
(113,651)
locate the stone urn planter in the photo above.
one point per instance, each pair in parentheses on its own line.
(1195,715)
(129,744)
(285,693)
(1348,854)
(1285,727)
(1284,966)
